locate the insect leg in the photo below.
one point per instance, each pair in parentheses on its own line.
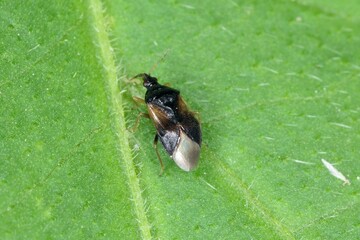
(158,155)
(138,100)
(136,125)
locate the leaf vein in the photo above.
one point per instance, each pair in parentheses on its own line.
(107,59)
(259,209)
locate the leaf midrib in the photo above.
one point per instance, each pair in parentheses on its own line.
(107,60)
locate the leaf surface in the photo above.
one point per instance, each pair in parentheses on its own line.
(276,85)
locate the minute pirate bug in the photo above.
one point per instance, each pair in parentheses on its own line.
(177,128)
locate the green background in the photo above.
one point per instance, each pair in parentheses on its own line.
(277,88)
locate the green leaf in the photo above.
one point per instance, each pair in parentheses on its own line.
(277,88)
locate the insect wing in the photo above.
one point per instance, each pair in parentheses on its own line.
(189,123)
(187,153)
(160,117)
(167,131)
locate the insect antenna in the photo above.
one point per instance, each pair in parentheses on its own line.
(141,75)
(159,61)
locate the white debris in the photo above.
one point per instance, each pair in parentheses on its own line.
(341,125)
(315,77)
(211,186)
(302,162)
(335,172)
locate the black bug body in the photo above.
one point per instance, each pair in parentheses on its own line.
(177,128)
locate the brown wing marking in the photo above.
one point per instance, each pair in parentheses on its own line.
(159,117)
(182,105)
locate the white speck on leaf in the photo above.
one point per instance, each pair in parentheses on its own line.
(303,162)
(242,89)
(227,30)
(211,186)
(271,70)
(269,138)
(336,173)
(188,6)
(341,125)
(32,49)
(336,104)
(315,77)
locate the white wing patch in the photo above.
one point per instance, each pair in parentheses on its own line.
(186,155)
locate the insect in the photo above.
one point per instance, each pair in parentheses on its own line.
(177,128)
